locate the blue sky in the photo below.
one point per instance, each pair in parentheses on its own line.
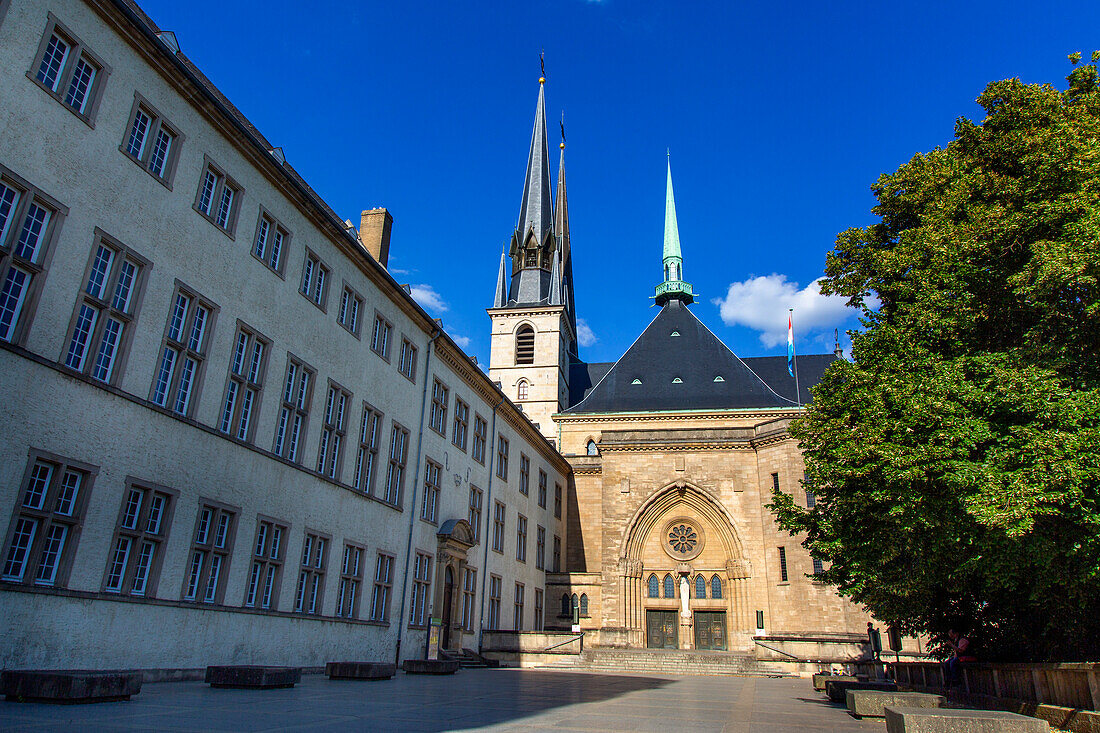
(779,117)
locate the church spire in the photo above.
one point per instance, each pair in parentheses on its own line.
(673,286)
(535,209)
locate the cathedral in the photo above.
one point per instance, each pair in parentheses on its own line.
(675,449)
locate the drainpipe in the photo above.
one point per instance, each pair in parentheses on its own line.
(412,501)
(488,517)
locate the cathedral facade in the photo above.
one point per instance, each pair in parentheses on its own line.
(675,450)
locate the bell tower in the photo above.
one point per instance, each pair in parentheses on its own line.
(534,326)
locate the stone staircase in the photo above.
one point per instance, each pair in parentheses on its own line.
(469,659)
(673,661)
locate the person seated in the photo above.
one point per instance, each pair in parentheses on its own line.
(961,652)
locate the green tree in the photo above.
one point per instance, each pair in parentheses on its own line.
(956,457)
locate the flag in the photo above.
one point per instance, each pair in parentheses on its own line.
(790,346)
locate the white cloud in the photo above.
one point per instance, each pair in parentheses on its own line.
(761,303)
(426,296)
(585,335)
(463,341)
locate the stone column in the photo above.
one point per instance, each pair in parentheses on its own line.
(739,572)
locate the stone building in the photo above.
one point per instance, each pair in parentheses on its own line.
(230,436)
(675,450)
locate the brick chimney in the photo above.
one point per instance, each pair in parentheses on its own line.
(374,232)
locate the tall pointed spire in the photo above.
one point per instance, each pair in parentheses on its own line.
(535,209)
(564,259)
(501,298)
(673,286)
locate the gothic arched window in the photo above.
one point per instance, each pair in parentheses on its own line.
(715,587)
(521,389)
(564,604)
(654,586)
(584,604)
(591,448)
(576,603)
(700,586)
(525,345)
(670,587)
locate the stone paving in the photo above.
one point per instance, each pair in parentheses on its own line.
(482,700)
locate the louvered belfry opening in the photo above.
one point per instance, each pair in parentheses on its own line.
(525,345)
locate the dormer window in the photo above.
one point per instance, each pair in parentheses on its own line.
(719,378)
(674,333)
(531,258)
(636,381)
(677,380)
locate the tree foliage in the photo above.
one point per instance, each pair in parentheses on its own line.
(956,458)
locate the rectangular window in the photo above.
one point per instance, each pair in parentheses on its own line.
(218,198)
(267,564)
(775,482)
(351,580)
(245,383)
(524,474)
(137,549)
(538,609)
(407,365)
(271,242)
(211,548)
(315,276)
(469,595)
(557,501)
(395,472)
(540,548)
(517,615)
(811,499)
(557,554)
(383,582)
(311,574)
(151,141)
(380,337)
(542,489)
(495,584)
(431,491)
(351,305)
(783,564)
(105,311)
(367,458)
(481,432)
(819,567)
(458,429)
(68,71)
(502,457)
(474,515)
(330,451)
(183,351)
(498,527)
(422,573)
(437,420)
(46,523)
(28,226)
(294,414)
(521,538)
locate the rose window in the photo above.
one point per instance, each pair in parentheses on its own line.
(682,538)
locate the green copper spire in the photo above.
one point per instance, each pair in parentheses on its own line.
(673,286)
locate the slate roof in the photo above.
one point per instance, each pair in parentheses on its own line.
(643,379)
(773,370)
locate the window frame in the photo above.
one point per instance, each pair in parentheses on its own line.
(496,584)
(403,465)
(519,597)
(37,268)
(521,539)
(244,383)
(476,510)
(539,610)
(521,333)
(77,51)
(312,570)
(217,509)
(351,295)
(275,224)
(223,180)
(157,122)
(407,367)
(437,412)
(365,448)
(345,607)
(44,518)
(385,585)
(500,519)
(433,492)
(469,598)
(481,438)
(556,555)
(269,565)
(460,425)
(540,547)
(334,431)
(524,474)
(281,446)
(183,350)
(543,485)
(557,500)
(419,618)
(384,352)
(502,457)
(106,311)
(138,536)
(311,263)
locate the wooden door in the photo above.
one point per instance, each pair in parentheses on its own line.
(448,597)
(710,630)
(662,630)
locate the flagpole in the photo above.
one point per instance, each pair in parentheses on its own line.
(797,393)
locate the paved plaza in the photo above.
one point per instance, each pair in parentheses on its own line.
(483,700)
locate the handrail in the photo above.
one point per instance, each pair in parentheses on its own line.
(777,651)
(567,641)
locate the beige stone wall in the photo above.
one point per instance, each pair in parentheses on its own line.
(725,460)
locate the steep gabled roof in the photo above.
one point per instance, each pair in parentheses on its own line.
(678,364)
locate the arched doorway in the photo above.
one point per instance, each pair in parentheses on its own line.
(448,605)
(455,538)
(684,580)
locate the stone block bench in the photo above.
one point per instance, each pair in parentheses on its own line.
(360,670)
(837,690)
(252,677)
(430,666)
(820,679)
(872,703)
(951,720)
(69,686)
